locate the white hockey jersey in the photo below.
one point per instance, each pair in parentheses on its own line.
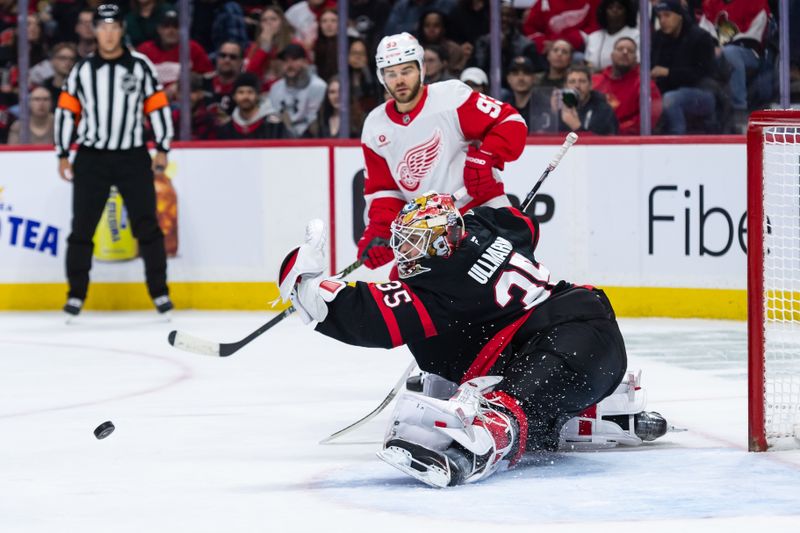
(408,154)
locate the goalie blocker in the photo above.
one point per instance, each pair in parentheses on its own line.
(475,307)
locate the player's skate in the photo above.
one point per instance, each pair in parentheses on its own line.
(461,440)
(619,419)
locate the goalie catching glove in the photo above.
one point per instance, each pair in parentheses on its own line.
(301,278)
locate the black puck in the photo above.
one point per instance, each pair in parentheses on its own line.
(104,430)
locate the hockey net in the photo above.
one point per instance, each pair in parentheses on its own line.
(773,152)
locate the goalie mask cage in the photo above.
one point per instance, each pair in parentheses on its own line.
(773,284)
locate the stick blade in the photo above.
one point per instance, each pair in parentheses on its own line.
(189,343)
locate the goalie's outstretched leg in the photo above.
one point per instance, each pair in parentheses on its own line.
(462,440)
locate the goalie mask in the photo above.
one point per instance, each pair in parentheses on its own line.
(429,226)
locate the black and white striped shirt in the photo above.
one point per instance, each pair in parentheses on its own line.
(108,100)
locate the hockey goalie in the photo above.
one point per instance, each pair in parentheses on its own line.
(514,361)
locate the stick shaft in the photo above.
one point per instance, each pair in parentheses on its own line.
(569,141)
(224,349)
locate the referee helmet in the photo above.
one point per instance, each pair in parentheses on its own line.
(108,13)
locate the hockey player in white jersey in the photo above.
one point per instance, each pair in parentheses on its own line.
(442,137)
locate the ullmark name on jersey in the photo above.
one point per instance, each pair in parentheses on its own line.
(490,260)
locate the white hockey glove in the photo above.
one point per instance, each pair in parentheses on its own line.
(301,275)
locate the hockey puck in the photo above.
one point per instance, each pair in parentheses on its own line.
(104,430)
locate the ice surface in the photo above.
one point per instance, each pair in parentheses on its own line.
(230,444)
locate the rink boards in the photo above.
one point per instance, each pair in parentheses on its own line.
(661,225)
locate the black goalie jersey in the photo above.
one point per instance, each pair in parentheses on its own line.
(461,313)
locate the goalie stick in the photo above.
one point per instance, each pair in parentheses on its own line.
(190,343)
(375,412)
(571,139)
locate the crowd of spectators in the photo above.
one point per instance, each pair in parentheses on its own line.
(265,69)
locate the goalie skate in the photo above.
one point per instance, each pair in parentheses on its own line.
(432,468)
(618,420)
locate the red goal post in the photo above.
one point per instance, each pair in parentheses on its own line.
(773,279)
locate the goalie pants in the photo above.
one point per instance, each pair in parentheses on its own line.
(558,370)
(95,171)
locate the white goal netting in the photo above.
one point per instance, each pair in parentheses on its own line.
(781,296)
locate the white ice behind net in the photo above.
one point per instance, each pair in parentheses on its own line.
(782,284)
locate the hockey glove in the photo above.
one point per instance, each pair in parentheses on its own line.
(301,274)
(478,177)
(374,251)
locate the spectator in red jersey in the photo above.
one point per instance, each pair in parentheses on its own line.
(739,26)
(274,33)
(220,84)
(588,111)
(559,59)
(620,83)
(251,119)
(203,122)
(570,20)
(164,52)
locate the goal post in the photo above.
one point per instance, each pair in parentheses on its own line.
(773,279)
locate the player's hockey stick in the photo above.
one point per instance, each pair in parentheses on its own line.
(372,414)
(190,343)
(571,139)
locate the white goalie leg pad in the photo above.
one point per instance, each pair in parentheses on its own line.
(415,418)
(423,428)
(413,445)
(590,430)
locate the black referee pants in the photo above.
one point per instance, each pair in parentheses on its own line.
(95,171)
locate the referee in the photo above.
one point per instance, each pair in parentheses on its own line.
(104,101)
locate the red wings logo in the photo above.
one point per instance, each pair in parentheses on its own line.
(418,162)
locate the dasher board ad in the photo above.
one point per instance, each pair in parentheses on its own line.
(668,215)
(671,215)
(228,214)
